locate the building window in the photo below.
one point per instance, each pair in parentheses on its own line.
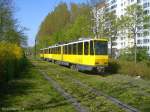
(114,6)
(139,41)
(138,1)
(147,4)
(146,34)
(113,1)
(146,41)
(146,12)
(139,34)
(121,38)
(132,0)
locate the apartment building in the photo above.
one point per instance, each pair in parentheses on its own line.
(118,7)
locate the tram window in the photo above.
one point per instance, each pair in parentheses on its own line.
(49,50)
(54,50)
(86,47)
(80,48)
(65,49)
(74,49)
(91,48)
(59,50)
(69,49)
(100,47)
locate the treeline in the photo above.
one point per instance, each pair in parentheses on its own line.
(70,23)
(65,24)
(12,40)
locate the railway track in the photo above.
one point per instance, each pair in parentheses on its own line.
(66,95)
(122,105)
(115,101)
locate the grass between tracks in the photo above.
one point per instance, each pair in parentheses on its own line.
(82,94)
(31,93)
(132,91)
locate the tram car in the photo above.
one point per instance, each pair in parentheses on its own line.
(87,54)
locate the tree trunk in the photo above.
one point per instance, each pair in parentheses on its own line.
(135,50)
(111,47)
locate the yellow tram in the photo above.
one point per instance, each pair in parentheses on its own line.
(85,54)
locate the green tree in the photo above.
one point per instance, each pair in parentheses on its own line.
(133,20)
(50,28)
(128,54)
(112,28)
(64,25)
(10,30)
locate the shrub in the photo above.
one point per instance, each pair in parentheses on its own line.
(128,54)
(130,68)
(113,66)
(12,61)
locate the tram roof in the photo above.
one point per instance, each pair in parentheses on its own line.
(84,40)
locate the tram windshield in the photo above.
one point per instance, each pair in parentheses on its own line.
(101,47)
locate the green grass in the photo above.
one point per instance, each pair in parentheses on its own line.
(132,91)
(31,93)
(82,94)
